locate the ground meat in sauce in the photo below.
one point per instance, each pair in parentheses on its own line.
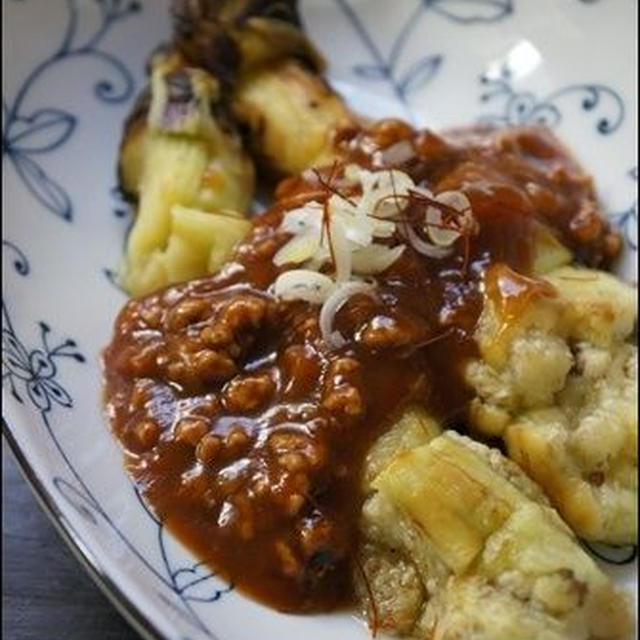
(247,433)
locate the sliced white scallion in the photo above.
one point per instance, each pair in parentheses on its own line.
(434,218)
(334,303)
(422,246)
(397,153)
(303,284)
(434,226)
(303,219)
(298,250)
(347,242)
(384,193)
(340,250)
(375,258)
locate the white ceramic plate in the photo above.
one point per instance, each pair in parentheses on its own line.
(72,70)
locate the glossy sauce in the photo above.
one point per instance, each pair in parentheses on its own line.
(247,432)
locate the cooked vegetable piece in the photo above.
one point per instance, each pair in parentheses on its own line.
(494,559)
(558,381)
(292,115)
(183,154)
(548,252)
(413,427)
(199,242)
(455,500)
(279,93)
(232,36)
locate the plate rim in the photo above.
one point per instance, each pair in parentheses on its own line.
(92,566)
(128,605)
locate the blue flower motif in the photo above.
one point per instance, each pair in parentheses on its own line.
(20,262)
(612,554)
(198,583)
(79,498)
(471,11)
(25,136)
(404,80)
(36,369)
(192,584)
(31,374)
(41,132)
(627,220)
(523,107)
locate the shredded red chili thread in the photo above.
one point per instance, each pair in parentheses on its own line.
(329,187)
(467,254)
(437,338)
(436,203)
(326,216)
(326,223)
(407,220)
(448,225)
(454,213)
(301,198)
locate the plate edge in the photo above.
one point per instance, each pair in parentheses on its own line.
(92,566)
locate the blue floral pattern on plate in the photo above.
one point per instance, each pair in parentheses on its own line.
(34,375)
(26,135)
(524,107)
(627,220)
(405,80)
(36,370)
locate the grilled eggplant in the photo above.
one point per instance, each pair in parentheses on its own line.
(184,164)
(278,92)
(460,543)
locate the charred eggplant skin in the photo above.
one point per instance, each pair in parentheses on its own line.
(183,163)
(130,156)
(232,68)
(135,130)
(227,37)
(231,40)
(277,91)
(292,117)
(204,40)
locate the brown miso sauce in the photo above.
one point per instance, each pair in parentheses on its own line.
(247,432)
